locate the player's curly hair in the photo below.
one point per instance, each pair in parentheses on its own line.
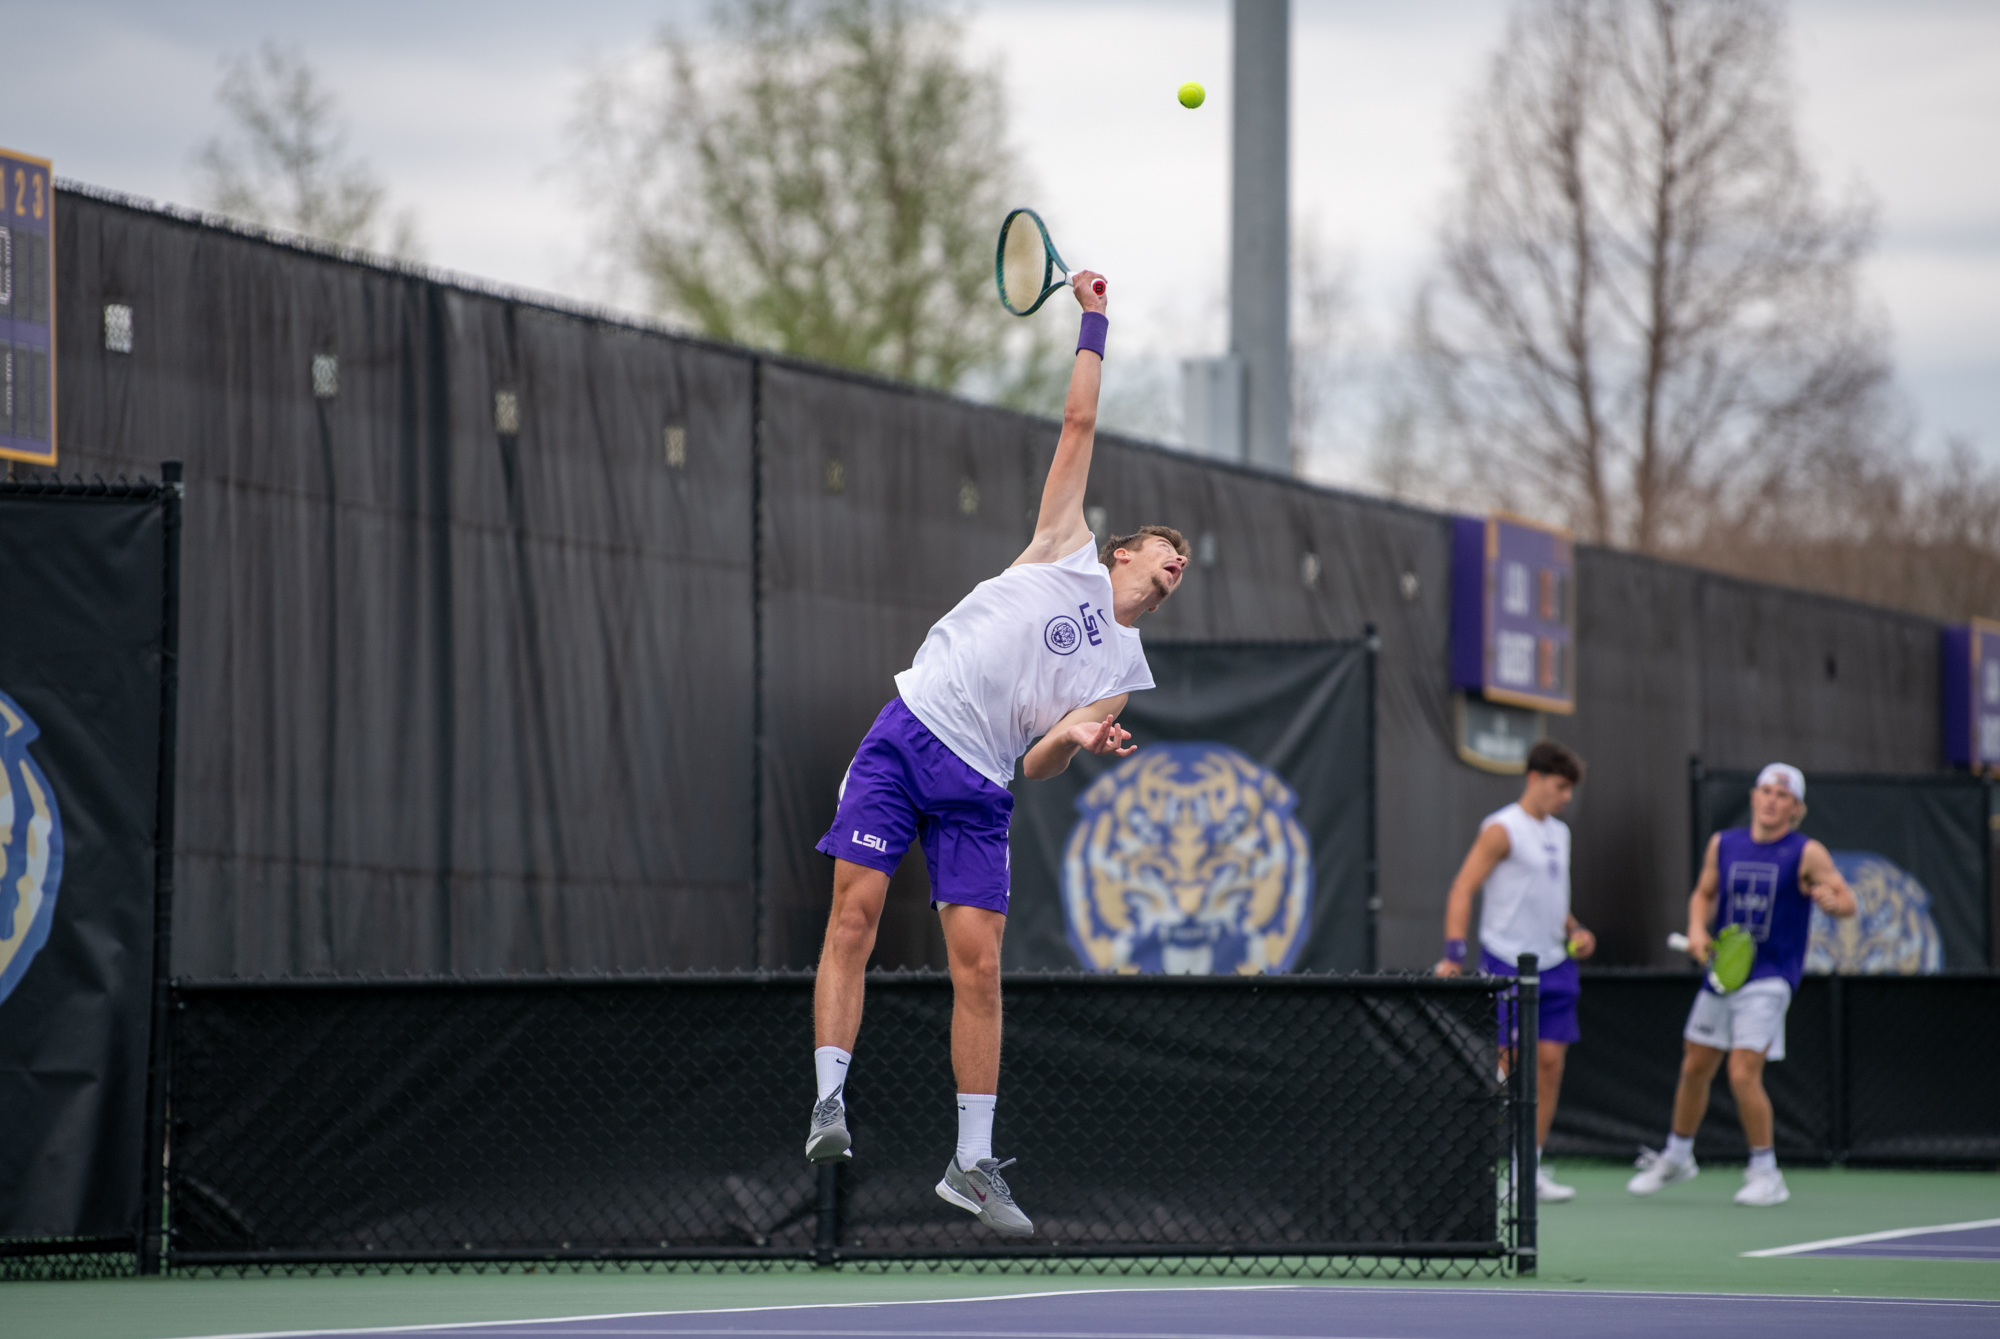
(1166,532)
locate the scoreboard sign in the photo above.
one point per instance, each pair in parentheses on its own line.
(1513,612)
(27,309)
(1971,695)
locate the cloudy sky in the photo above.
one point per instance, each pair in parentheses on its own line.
(460,107)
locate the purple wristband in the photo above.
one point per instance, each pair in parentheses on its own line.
(1454,950)
(1091,336)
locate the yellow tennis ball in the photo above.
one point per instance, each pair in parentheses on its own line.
(1575,947)
(1191,94)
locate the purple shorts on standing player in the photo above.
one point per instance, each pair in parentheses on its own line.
(904,784)
(1555,1020)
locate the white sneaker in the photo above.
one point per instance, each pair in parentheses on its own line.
(1763,1189)
(1657,1170)
(1548,1190)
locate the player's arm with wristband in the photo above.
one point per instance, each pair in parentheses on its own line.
(1823,883)
(1491,847)
(1059,527)
(1701,903)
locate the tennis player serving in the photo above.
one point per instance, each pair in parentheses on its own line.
(1047,648)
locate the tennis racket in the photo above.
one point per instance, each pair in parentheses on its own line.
(1730,959)
(1026,265)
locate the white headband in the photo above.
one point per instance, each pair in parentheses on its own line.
(1786,775)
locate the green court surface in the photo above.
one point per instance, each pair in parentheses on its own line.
(1689,1238)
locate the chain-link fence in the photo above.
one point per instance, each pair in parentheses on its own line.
(1886,1070)
(1337,1120)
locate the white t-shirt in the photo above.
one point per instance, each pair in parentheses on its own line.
(1526,909)
(1017,655)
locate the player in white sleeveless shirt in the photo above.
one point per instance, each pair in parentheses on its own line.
(1046,648)
(1521,859)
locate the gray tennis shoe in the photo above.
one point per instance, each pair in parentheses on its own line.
(979,1190)
(828,1140)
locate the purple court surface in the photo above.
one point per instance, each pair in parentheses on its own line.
(1953,1241)
(1285,1312)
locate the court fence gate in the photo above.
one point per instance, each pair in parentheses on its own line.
(1294,1125)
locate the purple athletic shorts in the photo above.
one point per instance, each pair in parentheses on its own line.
(1556,1016)
(904,784)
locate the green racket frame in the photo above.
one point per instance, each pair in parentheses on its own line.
(1733,952)
(1051,262)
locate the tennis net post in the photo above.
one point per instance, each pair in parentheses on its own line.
(1527,1155)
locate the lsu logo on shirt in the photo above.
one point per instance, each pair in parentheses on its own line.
(31,848)
(1063,634)
(1186,858)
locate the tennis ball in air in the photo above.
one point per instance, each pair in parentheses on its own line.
(1191,94)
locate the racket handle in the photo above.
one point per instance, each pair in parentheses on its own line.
(1097,287)
(1678,942)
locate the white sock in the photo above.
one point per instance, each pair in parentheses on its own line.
(830,1065)
(1764,1159)
(975,1127)
(1679,1149)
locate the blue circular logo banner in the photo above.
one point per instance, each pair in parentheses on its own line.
(1186,858)
(31,848)
(1892,931)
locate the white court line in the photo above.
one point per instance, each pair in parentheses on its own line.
(737,1310)
(1805,1246)
(1369,1290)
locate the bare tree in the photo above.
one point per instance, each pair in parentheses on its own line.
(284,164)
(821,177)
(1890,527)
(1645,318)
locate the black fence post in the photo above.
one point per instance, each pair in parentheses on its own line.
(154,1244)
(1527,1025)
(826,1249)
(1697,820)
(1374,644)
(1836,1015)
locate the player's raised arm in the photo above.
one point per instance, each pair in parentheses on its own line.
(1059,527)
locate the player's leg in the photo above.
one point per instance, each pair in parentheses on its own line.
(873,825)
(1698,1066)
(1550,1057)
(972,1178)
(1556,1031)
(1699,1063)
(1758,1034)
(1753,1104)
(972,946)
(965,847)
(858,896)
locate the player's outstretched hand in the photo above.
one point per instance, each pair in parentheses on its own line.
(1088,285)
(1105,737)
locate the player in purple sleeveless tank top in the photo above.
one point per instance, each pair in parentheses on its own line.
(1765,878)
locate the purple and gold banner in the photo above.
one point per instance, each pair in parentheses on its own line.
(27,309)
(1513,612)
(1970,694)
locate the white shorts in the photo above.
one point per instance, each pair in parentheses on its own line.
(1750,1018)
